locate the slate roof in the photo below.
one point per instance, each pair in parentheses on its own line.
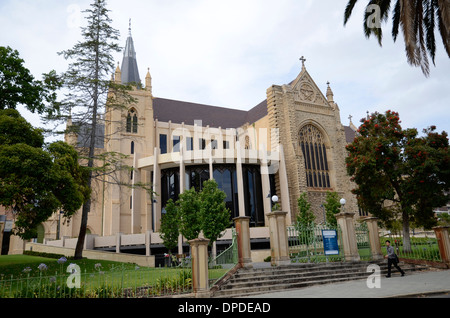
(184,112)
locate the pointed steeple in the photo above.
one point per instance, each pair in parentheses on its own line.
(130,72)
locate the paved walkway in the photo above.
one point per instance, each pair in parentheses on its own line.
(413,284)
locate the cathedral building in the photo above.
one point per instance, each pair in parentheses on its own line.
(291,142)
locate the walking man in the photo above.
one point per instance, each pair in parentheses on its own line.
(392,259)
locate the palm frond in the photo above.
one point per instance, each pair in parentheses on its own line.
(396,20)
(407,15)
(348,10)
(443,14)
(429,24)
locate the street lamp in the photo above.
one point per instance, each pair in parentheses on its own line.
(342,204)
(275,203)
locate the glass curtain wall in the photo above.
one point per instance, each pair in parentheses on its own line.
(225,176)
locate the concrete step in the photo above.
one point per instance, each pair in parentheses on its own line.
(253,281)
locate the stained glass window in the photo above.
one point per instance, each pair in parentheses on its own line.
(314,151)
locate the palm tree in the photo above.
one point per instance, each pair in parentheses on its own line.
(418,20)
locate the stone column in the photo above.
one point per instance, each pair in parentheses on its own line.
(243,240)
(442,236)
(2,227)
(199,254)
(346,222)
(278,238)
(374,238)
(118,242)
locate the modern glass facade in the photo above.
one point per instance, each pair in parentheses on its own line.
(225,176)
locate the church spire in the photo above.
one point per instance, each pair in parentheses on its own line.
(130,72)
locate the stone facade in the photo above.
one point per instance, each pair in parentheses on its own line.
(290,143)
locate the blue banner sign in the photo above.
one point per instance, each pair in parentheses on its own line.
(330,242)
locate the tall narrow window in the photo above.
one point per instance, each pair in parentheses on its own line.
(316,162)
(132,122)
(163,143)
(176,144)
(132,147)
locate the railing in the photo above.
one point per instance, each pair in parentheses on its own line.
(225,261)
(422,248)
(306,244)
(362,241)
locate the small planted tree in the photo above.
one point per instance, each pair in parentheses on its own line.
(196,212)
(332,207)
(215,217)
(305,216)
(305,220)
(169,230)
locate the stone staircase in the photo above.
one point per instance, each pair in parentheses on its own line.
(263,278)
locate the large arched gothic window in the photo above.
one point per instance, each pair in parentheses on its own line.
(132,122)
(315,153)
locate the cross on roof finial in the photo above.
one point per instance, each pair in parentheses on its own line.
(303,60)
(129,27)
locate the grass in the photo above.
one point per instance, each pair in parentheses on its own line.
(15,264)
(97,276)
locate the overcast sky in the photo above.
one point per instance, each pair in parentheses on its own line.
(227,53)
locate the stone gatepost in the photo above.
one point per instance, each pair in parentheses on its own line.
(346,222)
(374,238)
(278,238)
(442,236)
(199,255)
(243,240)
(2,227)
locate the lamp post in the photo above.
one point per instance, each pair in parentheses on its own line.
(274,200)
(343,202)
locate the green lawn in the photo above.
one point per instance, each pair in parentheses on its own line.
(109,277)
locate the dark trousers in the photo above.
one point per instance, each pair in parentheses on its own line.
(392,261)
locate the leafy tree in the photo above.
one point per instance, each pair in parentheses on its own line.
(305,220)
(91,93)
(19,87)
(332,207)
(417,19)
(169,230)
(398,172)
(189,208)
(305,216)
(214,215)
(196,212)
(36,181)
(444,219)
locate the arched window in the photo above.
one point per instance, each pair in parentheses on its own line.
(314,151)
(132,122)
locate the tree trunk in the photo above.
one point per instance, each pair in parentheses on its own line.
(406,237)
(93,136)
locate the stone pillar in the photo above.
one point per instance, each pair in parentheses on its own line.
(16,245)
(243,239)
(199,254)
(278,238)
(346,222)
(240,180)
(442,236)
(148,242)
(374,238)
(2,227)
(118,242)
